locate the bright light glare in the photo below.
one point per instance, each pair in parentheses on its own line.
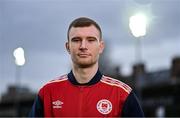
(19,56)
(138,24)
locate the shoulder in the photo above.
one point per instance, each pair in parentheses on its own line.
(57,80)
(116,83)
(52,85)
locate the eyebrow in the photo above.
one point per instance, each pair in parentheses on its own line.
(91,37)
(77,37)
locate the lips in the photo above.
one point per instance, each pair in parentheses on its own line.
(83,54)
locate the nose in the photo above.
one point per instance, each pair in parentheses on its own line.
(83,44)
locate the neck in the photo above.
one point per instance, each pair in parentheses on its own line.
(84,75)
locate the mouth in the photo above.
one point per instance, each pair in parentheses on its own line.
(83,55)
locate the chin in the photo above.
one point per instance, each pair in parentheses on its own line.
(86,65)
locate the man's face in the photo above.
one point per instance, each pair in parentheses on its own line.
(84,45)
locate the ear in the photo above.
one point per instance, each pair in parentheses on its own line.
(101,46)
(67,47)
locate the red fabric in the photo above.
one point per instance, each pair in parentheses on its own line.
(103,99)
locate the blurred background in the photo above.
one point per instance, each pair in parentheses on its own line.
(32,51)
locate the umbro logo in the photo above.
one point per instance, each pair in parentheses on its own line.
(57,104)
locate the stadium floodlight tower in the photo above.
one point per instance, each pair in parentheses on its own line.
(138,26)
(19,61)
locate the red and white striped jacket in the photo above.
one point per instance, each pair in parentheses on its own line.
(101,97)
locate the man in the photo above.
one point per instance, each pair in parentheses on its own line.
(85,92)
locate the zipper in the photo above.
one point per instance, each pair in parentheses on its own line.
(80,113)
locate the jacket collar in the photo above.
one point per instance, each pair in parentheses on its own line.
(97,77)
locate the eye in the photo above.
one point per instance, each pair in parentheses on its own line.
(92,39)
(76,39)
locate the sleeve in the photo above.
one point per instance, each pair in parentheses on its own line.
(132,107)
(37,108)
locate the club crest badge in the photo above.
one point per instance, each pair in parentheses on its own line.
(104,106)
